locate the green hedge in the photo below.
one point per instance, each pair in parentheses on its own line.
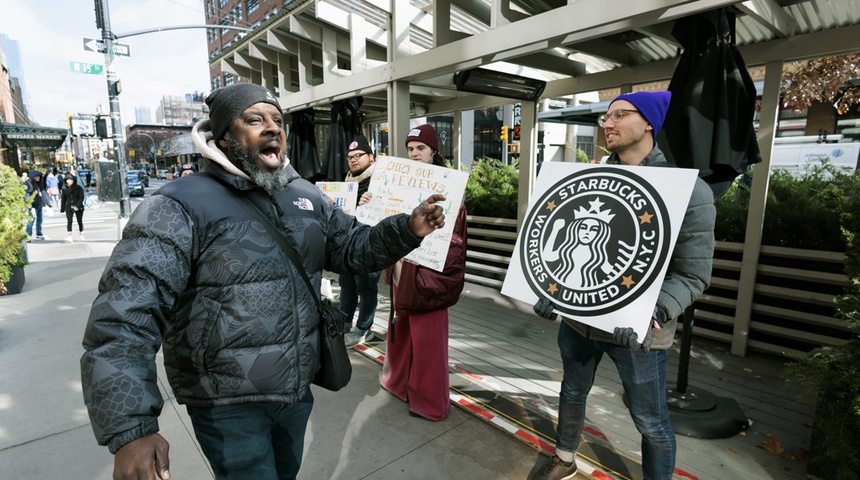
(13,217)
(492,189)
(801,212)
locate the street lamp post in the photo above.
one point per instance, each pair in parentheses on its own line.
(113,84)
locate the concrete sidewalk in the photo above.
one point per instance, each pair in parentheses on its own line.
(361,432)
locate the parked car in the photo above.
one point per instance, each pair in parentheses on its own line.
(162,174)
(142,175)
(135,185)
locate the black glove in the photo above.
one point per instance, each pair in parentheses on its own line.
(544,309)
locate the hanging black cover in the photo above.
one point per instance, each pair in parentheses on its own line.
(302,144)
(709,124)
(345,125)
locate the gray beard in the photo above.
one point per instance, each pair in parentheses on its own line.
(247,162)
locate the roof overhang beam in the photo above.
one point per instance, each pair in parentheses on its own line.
(580,21)
(771,16)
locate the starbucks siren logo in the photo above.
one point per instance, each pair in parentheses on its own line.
(595,241)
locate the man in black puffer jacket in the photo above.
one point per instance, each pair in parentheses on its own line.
(196,272)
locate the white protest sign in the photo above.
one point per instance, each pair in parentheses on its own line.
(344,194)
(398,185)
(597,240)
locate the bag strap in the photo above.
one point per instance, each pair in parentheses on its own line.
(285,244)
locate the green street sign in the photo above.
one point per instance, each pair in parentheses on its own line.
(92,69)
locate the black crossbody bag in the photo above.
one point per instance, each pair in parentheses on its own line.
(335,368)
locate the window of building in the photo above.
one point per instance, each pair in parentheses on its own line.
(253,5)
(228,79)
(224,22)
(586,144)
(240,15)
(848,124)
(223,3)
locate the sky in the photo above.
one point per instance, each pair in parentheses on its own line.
(50,35)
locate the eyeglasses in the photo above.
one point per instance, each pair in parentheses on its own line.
(356,156)
(615,115)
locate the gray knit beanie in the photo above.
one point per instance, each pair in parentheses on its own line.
(227,103)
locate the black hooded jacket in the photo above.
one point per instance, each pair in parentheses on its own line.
(35,190)
(72,196)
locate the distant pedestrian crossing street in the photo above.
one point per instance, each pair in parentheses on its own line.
(91,216)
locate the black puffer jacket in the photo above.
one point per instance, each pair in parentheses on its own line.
(196,271)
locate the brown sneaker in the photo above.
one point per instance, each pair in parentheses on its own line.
(556,470)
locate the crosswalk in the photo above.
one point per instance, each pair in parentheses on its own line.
(91,216)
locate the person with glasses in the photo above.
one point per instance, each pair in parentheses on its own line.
(631,126)
(359,289)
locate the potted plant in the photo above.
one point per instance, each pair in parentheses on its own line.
(13,238)
(835,370)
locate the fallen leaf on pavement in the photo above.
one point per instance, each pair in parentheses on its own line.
(774,446)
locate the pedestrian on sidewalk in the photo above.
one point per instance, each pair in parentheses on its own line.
(359,289)
(416,356)
(52,182)
(78,180)
(35,192)
(73,206)
(196,273)
(631,126)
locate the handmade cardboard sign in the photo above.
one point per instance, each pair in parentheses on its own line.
(597,240)
(344,194)
(398,185)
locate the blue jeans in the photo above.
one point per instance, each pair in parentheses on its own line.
(360,289)
(643,376)
(37,219)
(253,441)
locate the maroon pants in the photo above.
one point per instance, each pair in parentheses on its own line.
(416,363)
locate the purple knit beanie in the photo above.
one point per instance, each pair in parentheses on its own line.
(652,106)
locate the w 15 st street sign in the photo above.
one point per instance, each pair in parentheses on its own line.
(92,69)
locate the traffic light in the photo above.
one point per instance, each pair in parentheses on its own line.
(101,127)
(504,135)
